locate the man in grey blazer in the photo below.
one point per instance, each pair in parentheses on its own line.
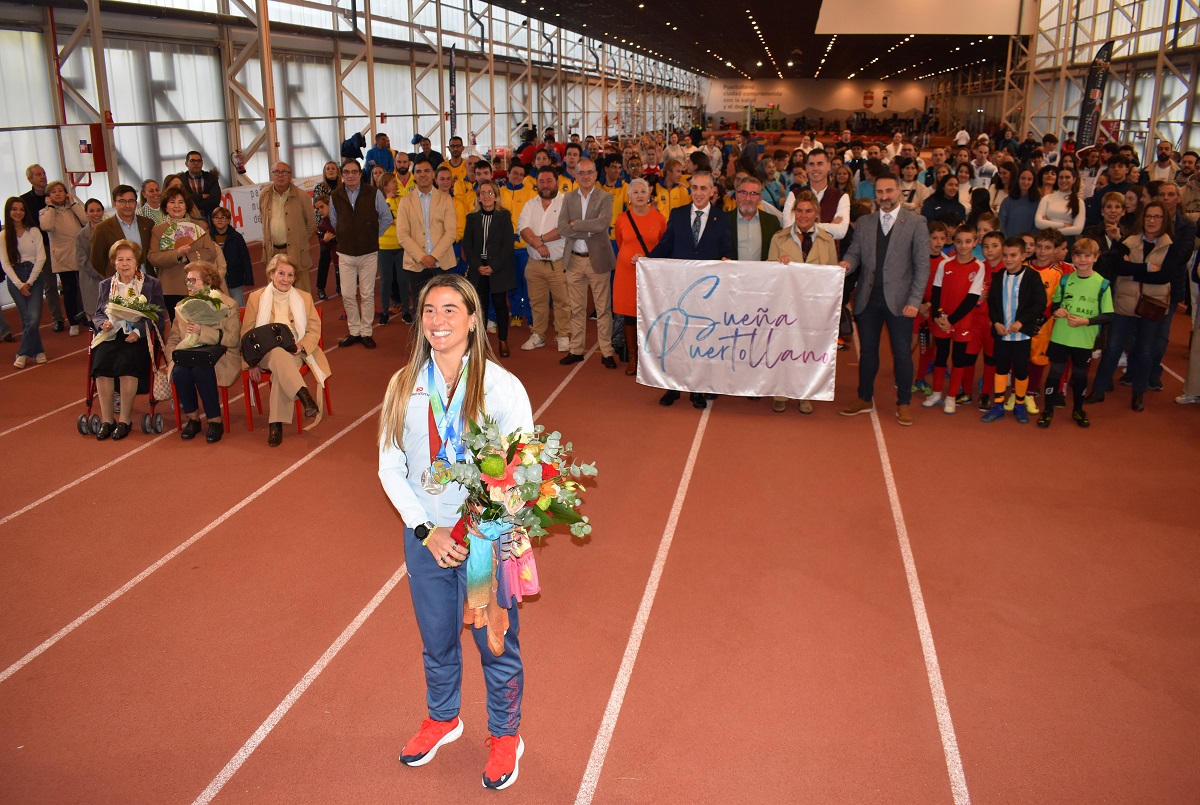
(891,247)
(584,222)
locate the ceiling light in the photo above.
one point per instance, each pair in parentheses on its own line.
(789,64)
(759,64)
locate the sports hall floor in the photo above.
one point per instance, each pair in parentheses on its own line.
(772,608)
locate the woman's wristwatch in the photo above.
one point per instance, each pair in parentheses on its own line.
(423,531)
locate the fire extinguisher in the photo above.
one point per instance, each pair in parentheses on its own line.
(238,163)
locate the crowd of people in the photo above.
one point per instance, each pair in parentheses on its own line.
(541,247)
(1034,255)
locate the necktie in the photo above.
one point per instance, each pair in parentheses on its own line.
(696,228)
(806,244)
(886,222)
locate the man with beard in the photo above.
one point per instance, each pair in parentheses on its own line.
(1164,168)
(538,226)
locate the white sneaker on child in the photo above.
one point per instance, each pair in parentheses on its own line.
(534,342)
(937,398)
(949,406)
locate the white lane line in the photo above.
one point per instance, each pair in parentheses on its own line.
(591,775)
(958,779)
(933,670)
(94,472)
(26,370)
(40,418)
(1166,369)
(296,692)
(570,376)
(67,487)
(138,579)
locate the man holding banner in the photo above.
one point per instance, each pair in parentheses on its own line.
(698,231)
(891,247)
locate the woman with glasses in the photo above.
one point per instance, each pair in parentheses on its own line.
(198,383)
(1142,265)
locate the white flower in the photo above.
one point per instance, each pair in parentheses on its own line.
(141,298)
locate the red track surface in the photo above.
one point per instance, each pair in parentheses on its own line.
(780,662)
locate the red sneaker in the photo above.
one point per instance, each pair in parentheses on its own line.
(502,766)
(432,736)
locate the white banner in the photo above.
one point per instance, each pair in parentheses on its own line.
(740,328)
(242,203)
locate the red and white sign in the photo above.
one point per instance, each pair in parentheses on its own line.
(868,99)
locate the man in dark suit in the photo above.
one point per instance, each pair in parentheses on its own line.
(750,228)
(125,225)
(203,186)
(891,247)
(697,231)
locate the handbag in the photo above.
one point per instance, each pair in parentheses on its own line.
(204,355)
(259,341)
(1148,307)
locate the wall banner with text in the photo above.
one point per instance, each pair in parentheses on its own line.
(740,328)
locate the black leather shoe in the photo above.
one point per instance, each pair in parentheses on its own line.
(189,430)
(1138,404)
(106,430)
(58,327)
(322,295)
(306,399)
(609,362)
(215,431)
(275,434)
(698,401)
(503,350)
(367,341)
(350,341)
(384,318)
(669,398)
(1094,397)
(121,431)
(406,318)
(571,358)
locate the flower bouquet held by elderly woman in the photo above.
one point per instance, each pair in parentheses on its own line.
(125,311)
(518,485)
(203,308)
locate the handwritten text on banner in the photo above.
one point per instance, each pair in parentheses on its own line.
(740,328)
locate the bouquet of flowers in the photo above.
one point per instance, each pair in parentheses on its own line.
(203,308)
(125,311)
(132,308)
(518,485)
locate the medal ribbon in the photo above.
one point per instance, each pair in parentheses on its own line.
(445,424)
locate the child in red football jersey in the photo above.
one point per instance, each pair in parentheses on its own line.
(957,287)
(939,233)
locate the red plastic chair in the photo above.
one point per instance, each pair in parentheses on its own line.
(248,387)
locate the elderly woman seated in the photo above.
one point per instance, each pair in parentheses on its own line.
(280,303)
(120,352)
(204,354)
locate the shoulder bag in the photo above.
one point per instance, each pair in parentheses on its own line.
(258,342)
(1148,307)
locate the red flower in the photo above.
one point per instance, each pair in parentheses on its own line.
(549,471)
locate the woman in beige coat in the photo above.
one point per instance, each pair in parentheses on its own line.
(173,247)
(280,303)
(62,218)
(803,242)
(199,384)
